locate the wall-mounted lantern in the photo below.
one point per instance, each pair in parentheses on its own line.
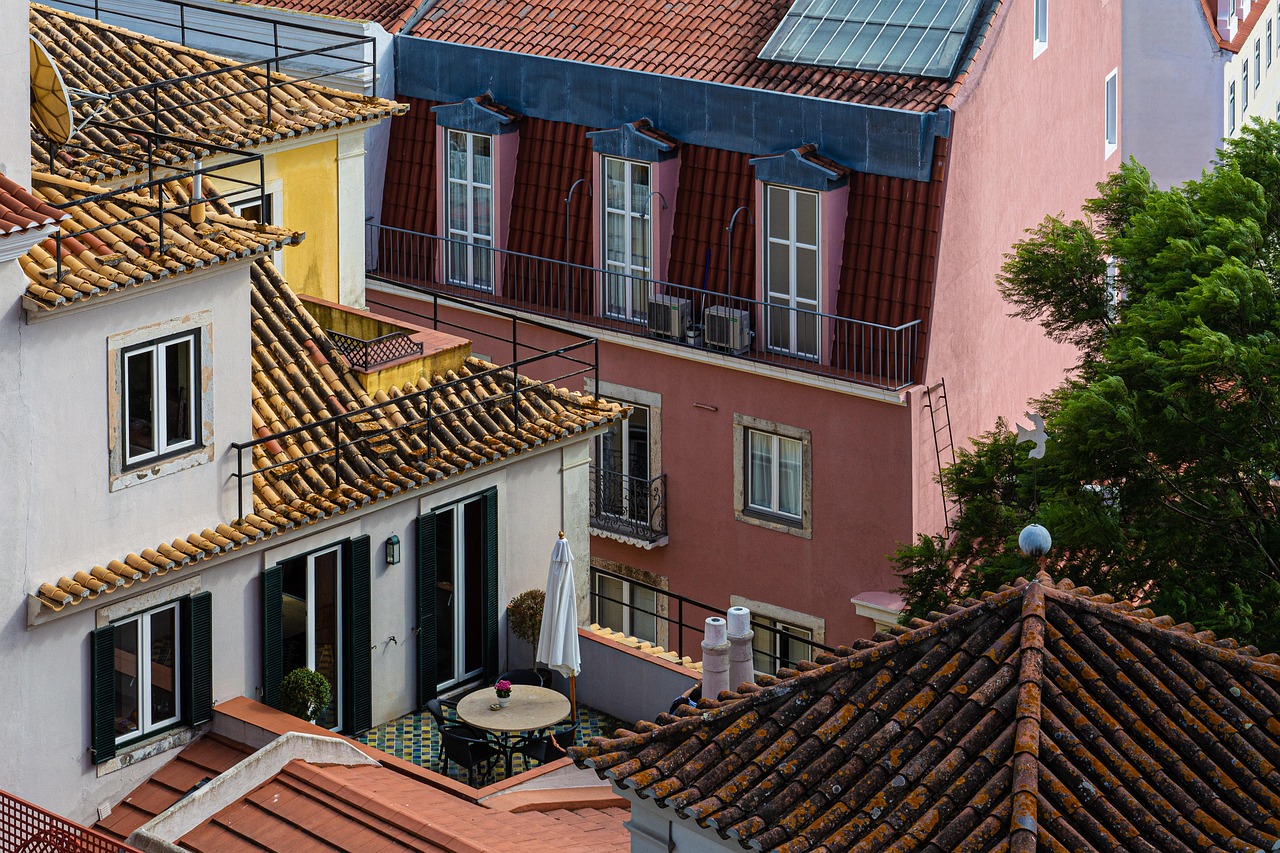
(393,550)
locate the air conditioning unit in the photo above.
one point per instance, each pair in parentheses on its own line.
(728,329)
(668,316)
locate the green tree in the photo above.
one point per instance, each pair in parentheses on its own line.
(1160,477)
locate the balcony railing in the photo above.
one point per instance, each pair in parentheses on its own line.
(26,827)
(682,620)
(763,331)
(370,355)
(629,506)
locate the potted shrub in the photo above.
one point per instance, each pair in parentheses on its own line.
(524,615)
(304,693)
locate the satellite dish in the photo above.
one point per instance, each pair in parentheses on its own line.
(50,103)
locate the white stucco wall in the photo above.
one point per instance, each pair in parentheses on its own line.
(15,141)
(1172,120)
(44,716)
(1264,95)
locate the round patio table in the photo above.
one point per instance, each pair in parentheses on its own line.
(530,709)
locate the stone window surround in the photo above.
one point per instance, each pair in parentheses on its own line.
(202,323)
(814,624)
(803,528)
(631,573)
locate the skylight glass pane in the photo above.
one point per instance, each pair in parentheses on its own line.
(919,37)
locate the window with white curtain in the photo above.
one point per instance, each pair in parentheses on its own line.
(775,474)
(628,240)
(469,206)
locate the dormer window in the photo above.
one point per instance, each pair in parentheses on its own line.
(160,399)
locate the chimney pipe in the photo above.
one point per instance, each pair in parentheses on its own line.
(741,660)
(715,659)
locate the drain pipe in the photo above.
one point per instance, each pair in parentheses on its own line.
(741,661)
(715,659)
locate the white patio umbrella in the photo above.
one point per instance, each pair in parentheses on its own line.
(558,640)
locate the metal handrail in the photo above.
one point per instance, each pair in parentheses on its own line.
(367,355)
(677,622)
(811,341)
(629,506)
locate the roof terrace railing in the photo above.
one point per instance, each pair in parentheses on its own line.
(27,827)
(674,612)
(771,332)
(372,354)
(374,430)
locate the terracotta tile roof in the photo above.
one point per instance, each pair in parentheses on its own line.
(226,106)
(103,251)
(1243,30)
(1043,717)
(409,437)
(204,759)
(710,40)
(390,14)
(22,211)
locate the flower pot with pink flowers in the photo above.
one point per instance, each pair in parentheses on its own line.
(503,689)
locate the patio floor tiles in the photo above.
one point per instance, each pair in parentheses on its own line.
(415,738)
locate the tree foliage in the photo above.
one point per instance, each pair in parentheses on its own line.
(1160,477)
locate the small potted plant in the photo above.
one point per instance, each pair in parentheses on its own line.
(503,689)
(524,615)
(304,693)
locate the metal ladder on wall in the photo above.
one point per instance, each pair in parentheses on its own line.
(935,397)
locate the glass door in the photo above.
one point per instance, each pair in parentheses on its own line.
(460,544)
(470,210)
(622,467)
(792,288)
(312,623)
(627,239)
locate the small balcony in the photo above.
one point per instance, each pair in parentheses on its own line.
(770,332)
(629,508)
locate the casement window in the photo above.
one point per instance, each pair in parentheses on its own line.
(161,397)
(1231,109)
(627,232)
(263,208)
(1112,121)
(1257,63)
(1269,30)
(793,291)
(152,671)
(778,644)
(624,605)
(316,614)
(457,594)
(774,474)
(1041,25)
(469,206)
(1244,87)
(620,455)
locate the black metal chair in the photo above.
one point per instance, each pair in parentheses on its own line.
(527,676)
(437,709)
(463,748)
(547,747)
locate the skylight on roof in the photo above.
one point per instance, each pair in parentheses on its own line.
(918,37)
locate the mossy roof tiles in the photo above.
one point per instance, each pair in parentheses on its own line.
(1042,717)
(196,97)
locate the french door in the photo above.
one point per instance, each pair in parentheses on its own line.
(469,203)
(460,594)
(628,239)
(622,467)
(792,288)
(312,623)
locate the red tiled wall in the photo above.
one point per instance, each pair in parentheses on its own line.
(713,184)
(409,196)
(552,156)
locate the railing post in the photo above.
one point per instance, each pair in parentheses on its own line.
(680,627)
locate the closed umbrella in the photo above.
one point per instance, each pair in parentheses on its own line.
(558,639)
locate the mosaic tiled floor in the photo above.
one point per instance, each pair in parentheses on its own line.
(414,738)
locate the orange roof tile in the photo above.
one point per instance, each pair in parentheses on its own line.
(205,99)
(21,211)
(1043,717)
(1243,30)
(710,40)
(390,14)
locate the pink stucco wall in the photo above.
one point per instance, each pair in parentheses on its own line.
(1027,140)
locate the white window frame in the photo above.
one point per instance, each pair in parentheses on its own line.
(1040,27)
(775,444)
(801,526)
(162,447)
(477,232)
(786,295)
(1111,118)
(312,662)
(630,479)
(627,602)
(772,655)
(146,725)
(272,193)
(634,304)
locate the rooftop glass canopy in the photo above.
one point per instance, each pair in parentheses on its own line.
(917,37)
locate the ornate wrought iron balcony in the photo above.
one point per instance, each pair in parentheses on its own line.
(629,506)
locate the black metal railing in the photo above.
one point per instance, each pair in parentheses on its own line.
(378,429)
(769,332)
(629,506)
(671,613)
(370,355)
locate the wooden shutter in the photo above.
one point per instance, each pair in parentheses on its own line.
(272,635)
(357,657)
(426,547)
(197,682)
(490,583)
(102,642)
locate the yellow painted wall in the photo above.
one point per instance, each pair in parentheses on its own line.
(307,201)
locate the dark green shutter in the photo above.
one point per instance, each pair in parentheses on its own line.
(272,635)
(197,683)
(490,586)
(357,658)
(102,643)
(426,547)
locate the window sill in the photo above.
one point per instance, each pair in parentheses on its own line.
(149,747)
(778,523)
(161,467)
